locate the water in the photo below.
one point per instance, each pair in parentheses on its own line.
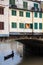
(6,49)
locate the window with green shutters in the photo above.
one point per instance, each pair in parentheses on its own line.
(27,14)
(35,5)
(40,15)
(35,25)
(21,13)
(40,25)
(31,26)
(13,12)
(12,2)
(35,14)
(14,25)
(21,25)
(25,5)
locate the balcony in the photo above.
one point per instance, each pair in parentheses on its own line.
(12,6)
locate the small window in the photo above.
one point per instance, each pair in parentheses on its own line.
(25,5)
(14,25)
(12,2)
(35,14)
(1,10)
(27,25)
(1,25)
(35,25)
(21,25)
(40,25)
(20,13)
(35,5)
(31,26)
(27,14)
(40,15)
(14,12)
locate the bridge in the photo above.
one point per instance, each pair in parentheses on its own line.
(32,45)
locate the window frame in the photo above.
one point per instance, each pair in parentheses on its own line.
(35,14)
(40,25)
(21,25)
(1,25)
(14,23)
(14,13)
(25,5)
(35,25)
(21,13)
(28,14)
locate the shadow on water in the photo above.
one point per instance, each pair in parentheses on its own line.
(33,55)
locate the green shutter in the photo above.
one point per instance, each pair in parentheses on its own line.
(40,25)
(27,14)
(35,5)
(35,14)
(12,2)
(40,15)
(20,13)
(31,26)
(25,5)
(21,25)
(14,25)
(35,25)
(14,12)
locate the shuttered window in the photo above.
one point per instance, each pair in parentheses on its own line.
(35,14)
(1,10)
(35,25)
(35,5)
(40,25)
(27,14)
(1,25)
(13,12)
(40,15)
(21,25)
(12,2)
(25,5)
(14,25)
(31,26)
(20,13)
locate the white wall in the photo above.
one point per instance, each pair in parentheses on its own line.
(18,20)
(5,18)
(4,2)
(19,4)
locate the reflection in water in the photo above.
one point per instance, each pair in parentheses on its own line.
(6,49)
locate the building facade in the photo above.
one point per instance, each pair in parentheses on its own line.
(20,17)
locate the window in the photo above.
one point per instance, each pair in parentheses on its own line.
(40,25)
(1,25)
(21,25)
(40,15)
(12,2)
(20,13)
(1,10)
(31,26)
(35,26)
(14,12)
(35,5)
(27,14)
(14,25)
(25,5)
(35,14)
(27,25)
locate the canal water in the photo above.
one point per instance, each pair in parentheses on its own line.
(6,48)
